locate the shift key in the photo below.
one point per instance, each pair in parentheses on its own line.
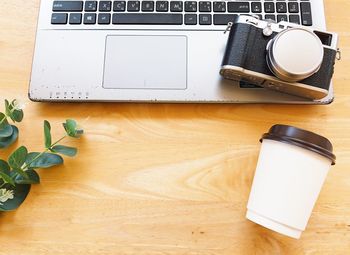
(67,6)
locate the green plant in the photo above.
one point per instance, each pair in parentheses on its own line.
(18,173)
(9,133)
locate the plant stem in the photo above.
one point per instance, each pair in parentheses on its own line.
(25,166)
(6,115)
(3,119)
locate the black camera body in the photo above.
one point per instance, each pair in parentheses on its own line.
(282,56)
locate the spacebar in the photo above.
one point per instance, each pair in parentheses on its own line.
(147,19)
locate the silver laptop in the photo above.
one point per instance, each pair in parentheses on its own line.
(150,51)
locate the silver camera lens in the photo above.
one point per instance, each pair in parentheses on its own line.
(294,54)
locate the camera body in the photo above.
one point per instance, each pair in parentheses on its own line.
(281,56)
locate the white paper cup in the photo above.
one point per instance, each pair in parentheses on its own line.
(292,167)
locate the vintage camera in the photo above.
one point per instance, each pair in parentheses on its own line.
(282,56)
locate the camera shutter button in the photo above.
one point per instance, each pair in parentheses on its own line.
(295,54)
(267,31)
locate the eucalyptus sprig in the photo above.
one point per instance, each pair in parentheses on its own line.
(9,133)
(19,171)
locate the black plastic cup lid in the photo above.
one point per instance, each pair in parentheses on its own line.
(302,138)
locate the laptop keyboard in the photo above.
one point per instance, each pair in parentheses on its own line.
(176,12)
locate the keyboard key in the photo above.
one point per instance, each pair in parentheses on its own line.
(205,6)
(269,7)
(147,6)
(162,6)
(190,6)
(119,6)
(105,6)
(293,7)
(241,7)
(91,6)
(282,17)
(104,18)
(59,18)
(256,7)
(270,16)
(176,6)
(219,6)
(133,6)
(90,18)
(294,19)
(147,18)
(205,19)
(191,19)
(75,18)
(306,18)
(281,7)
(67,6)
(224,19)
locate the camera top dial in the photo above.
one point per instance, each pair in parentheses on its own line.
(295,54)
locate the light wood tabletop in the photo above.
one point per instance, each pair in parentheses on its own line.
(165,178)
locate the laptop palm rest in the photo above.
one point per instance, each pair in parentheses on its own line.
(145,62)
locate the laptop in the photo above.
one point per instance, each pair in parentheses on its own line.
(150,51)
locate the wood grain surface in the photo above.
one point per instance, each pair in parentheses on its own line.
(164,178)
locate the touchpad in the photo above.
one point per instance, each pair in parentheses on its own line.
(145,62)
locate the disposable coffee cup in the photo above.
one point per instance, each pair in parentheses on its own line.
(292,167)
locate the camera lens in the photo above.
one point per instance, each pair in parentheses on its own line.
(295,54)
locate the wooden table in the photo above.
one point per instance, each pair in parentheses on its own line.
(163,178)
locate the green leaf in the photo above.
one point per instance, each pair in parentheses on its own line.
(3,120)
(46,160)
(6,142)
(33,178)
(47,134)
(4,166)
(15,114)
(7,107)
(6,131)
(31,156)
(18,157)
(6,178)
(20,193)
(65,150)
(21,173)
(71,128)
(5,172)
